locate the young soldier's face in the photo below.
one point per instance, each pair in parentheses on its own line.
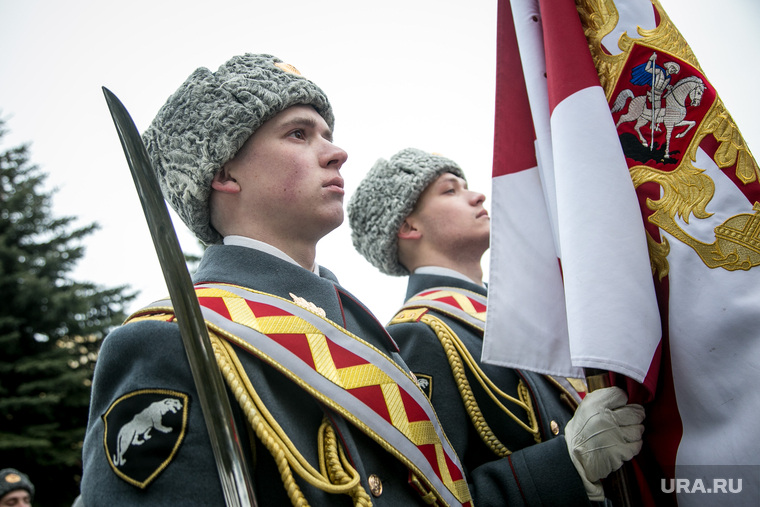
(451,216)
(289,174)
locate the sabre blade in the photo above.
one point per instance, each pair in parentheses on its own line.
(217,411)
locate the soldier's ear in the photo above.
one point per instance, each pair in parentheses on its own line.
(408,231)
(224,182)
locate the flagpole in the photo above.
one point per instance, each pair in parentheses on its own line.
(654,108)
(616,485)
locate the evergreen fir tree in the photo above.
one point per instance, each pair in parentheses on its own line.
(50,331)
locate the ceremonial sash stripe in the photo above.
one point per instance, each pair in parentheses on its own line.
(461,304)
(413,411)
(344,359)
(373,397)
(321,356)
(350,365)
(296,345)
(461,300)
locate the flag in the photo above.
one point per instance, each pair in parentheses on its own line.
(644,207)
(565,225)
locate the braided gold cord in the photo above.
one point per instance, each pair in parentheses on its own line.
(427,495)
(459,357)
(263,430)
(334,464)
(274,438)
(524,394)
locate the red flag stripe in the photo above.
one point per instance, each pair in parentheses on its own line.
(568,60)
(513,129)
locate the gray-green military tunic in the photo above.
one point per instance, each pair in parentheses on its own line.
(143,364)
(534,473)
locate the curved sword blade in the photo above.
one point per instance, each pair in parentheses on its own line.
(209,383)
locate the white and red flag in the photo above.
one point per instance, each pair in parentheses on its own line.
(614,159)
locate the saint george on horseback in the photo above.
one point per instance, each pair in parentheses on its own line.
(659,79)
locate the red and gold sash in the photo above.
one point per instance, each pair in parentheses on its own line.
(464,305)
(343,372)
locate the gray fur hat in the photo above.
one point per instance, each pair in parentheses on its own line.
(209,118)
(13,480)
(385,197)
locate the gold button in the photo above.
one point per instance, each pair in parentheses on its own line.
(555,427)
(375,485)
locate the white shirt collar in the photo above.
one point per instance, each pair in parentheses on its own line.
(263,247)
(438,270)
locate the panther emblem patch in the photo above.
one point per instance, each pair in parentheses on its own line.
(143,431)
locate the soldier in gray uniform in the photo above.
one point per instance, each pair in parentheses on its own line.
(245,156)
(516,431)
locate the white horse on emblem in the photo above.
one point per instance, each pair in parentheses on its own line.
(672,115)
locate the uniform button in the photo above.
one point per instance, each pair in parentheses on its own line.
(555,427)
(375,485)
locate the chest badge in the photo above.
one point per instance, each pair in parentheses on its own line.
(308,305)
(426,384)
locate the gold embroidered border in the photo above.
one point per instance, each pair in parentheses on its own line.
(686,190)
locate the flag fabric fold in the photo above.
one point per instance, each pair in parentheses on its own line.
(601,314)
(521,213)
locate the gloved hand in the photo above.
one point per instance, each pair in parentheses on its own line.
(603,433)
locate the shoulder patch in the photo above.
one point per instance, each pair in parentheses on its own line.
(143,431)
(426,384)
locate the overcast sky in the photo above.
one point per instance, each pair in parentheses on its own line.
(399,73)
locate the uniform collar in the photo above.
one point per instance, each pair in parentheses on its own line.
(440,271)
(263,247)
(419,282)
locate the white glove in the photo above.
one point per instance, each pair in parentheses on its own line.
(603,433)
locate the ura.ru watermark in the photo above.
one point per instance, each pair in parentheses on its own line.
(714,485)
(708,485)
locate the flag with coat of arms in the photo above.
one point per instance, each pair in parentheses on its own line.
(626,225)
